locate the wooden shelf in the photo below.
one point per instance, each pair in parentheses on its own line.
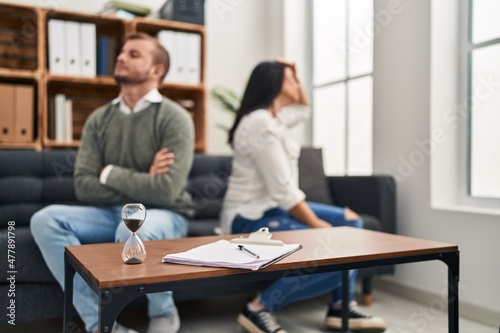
(26,28)
(98,80)
(23,74)
(21,145)
(152,26)
(110,24)
(184,87)
(59,144)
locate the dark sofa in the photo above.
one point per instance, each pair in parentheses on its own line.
(30,180)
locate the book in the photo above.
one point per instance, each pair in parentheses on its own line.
(111,54)
(131,8)
(224,253)
(60,117)
(102,55)
(68,120)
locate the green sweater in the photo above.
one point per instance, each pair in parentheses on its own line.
(129,142)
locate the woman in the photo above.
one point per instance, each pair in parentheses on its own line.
(263,192)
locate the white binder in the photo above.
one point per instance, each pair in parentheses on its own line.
(88,47)
(168,40)
(57,46)
(182,55)
(194,56)
(73,48)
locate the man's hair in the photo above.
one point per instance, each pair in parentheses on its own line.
(160,55)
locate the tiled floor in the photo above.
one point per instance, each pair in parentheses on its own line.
(218,316)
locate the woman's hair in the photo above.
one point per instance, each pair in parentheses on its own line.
(160,55)
(262,88)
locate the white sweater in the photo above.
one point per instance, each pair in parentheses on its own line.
(265,165)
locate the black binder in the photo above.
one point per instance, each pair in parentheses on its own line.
(190,11)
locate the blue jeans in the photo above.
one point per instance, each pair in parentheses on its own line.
(292,289)
(57,226)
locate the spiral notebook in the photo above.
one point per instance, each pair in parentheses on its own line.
(224,253)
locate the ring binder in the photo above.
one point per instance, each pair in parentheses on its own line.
(259,237)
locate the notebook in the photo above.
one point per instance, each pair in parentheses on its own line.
(224,253)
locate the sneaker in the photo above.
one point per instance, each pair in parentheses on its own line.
(117,328)
(165,324)
(122,329)
(359,321)
(259,322)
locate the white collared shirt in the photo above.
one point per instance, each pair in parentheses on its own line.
(153,96)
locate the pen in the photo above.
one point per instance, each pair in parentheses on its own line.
(244,249)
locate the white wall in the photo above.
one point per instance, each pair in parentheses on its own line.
(247,32)
(238,37)
(402,99)
(239,33)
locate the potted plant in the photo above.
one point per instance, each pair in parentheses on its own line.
(227,99)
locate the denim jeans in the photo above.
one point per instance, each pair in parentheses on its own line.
(57,226)
(292,289)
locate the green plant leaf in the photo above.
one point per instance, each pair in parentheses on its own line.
(226,98)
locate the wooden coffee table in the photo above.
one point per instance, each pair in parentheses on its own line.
(324,250)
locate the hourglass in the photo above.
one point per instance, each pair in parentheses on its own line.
(133,215)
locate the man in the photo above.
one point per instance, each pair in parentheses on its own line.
(126,155)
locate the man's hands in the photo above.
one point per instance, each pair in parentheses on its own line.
(162,161)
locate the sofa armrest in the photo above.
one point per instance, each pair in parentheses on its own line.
(373,195)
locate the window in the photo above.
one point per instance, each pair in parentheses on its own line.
(342,84)
(483,98)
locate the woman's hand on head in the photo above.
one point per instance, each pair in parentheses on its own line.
(287,63)
(301,98)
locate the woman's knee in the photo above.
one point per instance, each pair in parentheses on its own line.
(353,218)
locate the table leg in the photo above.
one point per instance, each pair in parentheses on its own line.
(345,302)
(112,301)
(453,261)
(107,311)
(69,274)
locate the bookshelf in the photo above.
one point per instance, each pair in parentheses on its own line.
(24,60)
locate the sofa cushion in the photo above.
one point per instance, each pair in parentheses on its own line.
(29,263)
(34,301)
(370,222)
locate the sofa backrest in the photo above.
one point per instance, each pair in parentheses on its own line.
(208,183)
(31,180)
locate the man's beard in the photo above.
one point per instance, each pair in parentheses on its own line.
(120,79)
